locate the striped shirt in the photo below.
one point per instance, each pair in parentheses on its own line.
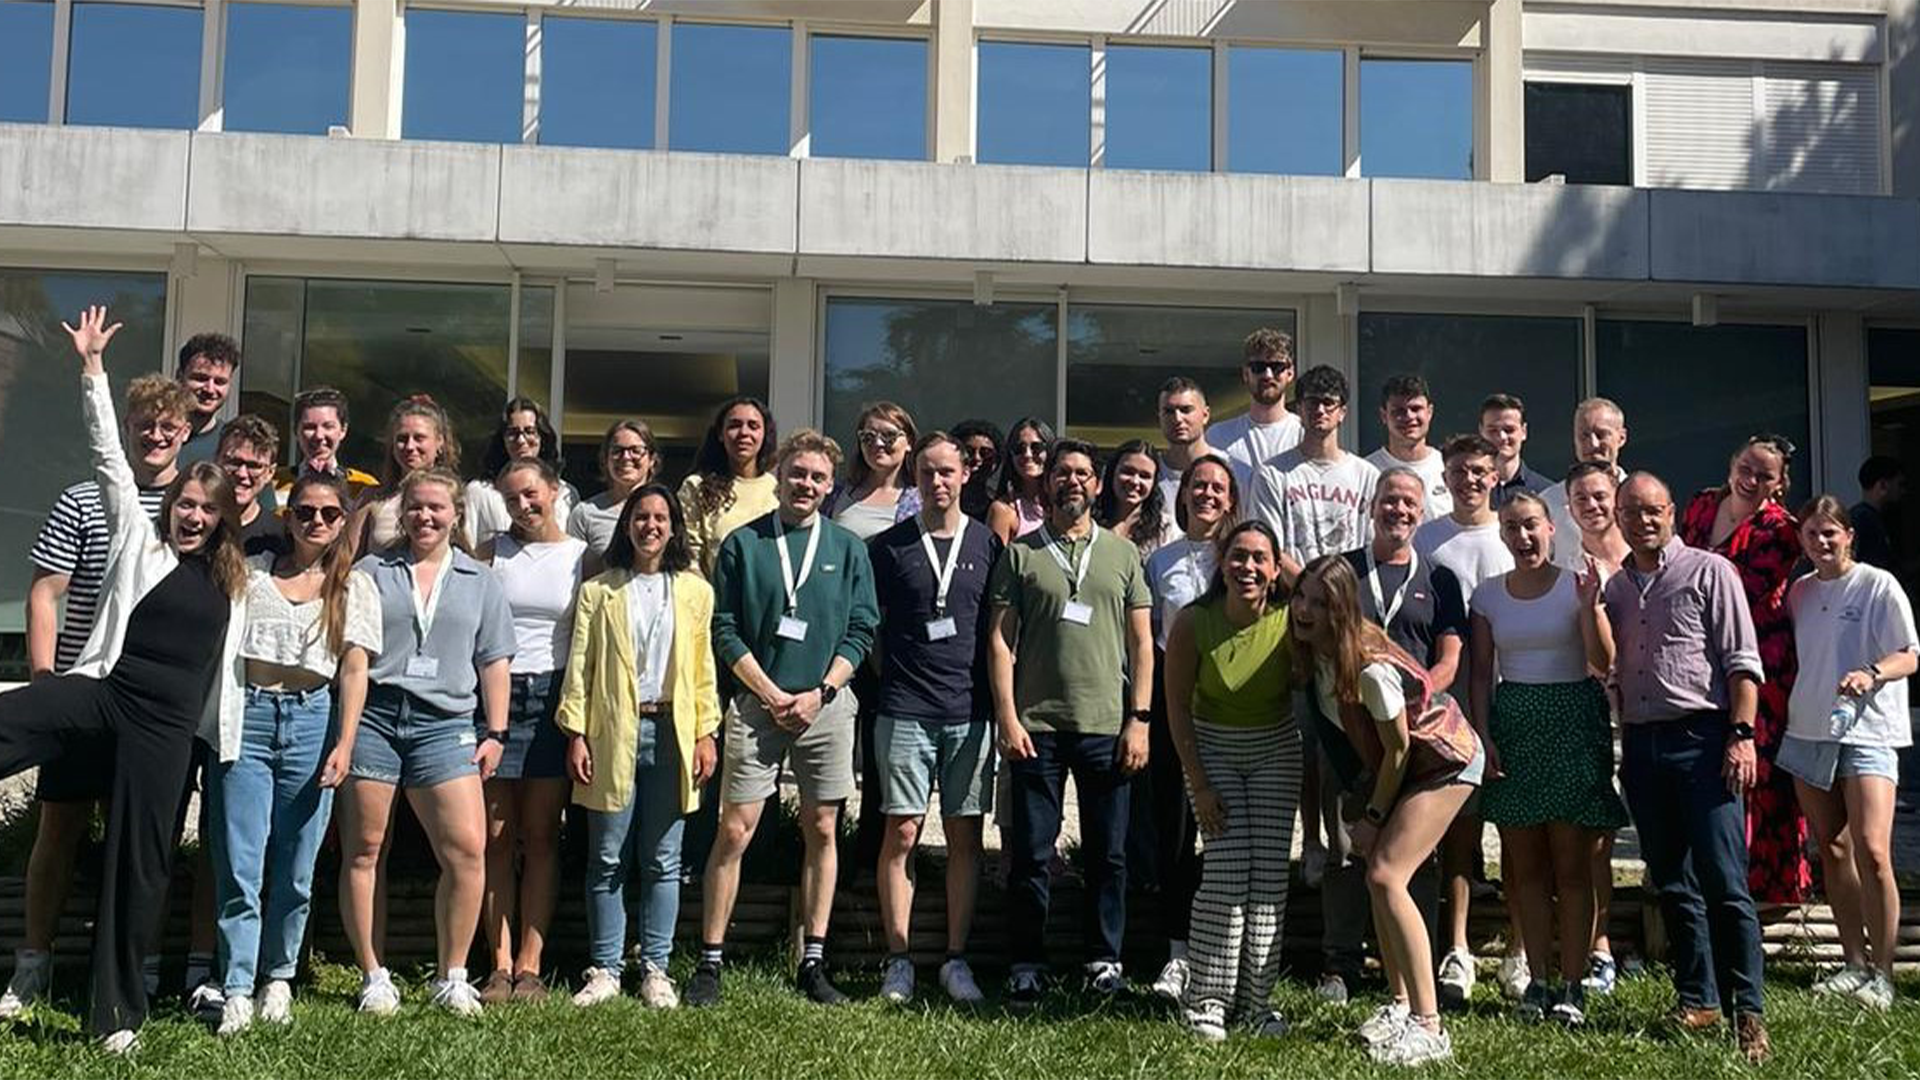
(74,542)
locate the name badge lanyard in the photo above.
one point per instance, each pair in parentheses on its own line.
(425,610)
(1388,609)
(943,572)
(786,562)
(1075,612)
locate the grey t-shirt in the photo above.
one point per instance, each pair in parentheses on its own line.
(472,627)
(594,521)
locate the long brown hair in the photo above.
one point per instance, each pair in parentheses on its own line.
(1357,640)
(221,549)
(420,405)
(715,469)
(336,560)
(857,468)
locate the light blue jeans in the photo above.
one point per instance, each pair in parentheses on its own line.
(268,815)
(644,835)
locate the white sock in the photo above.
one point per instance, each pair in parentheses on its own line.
(456,974)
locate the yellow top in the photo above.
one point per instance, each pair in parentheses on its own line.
(751,499)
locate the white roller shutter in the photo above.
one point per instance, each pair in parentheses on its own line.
(1699,123)
(1822,128)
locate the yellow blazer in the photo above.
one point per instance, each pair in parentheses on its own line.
(598,697)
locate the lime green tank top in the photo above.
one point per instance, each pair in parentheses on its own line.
(1244,674)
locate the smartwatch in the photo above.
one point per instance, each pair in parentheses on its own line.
(1374,815)
(828,692)
(489,735)
(1743,732)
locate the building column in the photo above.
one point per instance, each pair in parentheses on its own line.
(1845,422)
(378,48)
(1500,143)
(790,367)
(952,99)
(201,289)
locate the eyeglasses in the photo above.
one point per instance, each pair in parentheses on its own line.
(974,455)
(1308,404)
(304,514)
(880,439)
(531,433)
(629,451)
(245,465)
(1030,449)
(1269,367)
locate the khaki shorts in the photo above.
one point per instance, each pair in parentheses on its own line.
(821,756)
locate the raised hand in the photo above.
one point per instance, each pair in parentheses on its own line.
(1586,583)
(91,336)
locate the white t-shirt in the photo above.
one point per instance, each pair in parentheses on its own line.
(1380,691)
(1247,444)
(1840,626)
(539,581)
(650,619)
(1473,552)
(1315,507)
(1432,471)
(1538,640)
(1177,573)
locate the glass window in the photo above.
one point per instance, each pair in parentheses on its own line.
(287,67)
(1893,401)
(597,82)
(533,377)
(1464,358)
(272,330)
(1661,373)
(1284,111)
(731,86)
(466,74)
(26,59)
(1117,357)
(1159,108)
(943,360)
(1416,118)
(133,65)
(1582,132)
(869,97)
(40,398)
(1036,104)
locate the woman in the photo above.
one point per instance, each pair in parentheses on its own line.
(1418,761)
(448,637)
(629,457)
(1744,521)
(419,436)
(879,487)
(1847,721)
(1130,503)
(1020,499)
(732,480)
(1548,730)
(524,432)
(641,708)
(1177,573)
(538,567)
(310,617)
(154,672)
(1230,709)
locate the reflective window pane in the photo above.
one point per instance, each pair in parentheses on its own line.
(943,360)
(731,86)
(1464,358)
(465,76)
(534,375)
(1893,401)
(1035,104)
(869,97)
(1664,374)
(1159,108)
(597,82)
(272,331)
(26,59)
(1416,118)
(1582,132)
(134,66)
(1117,357)
(1284,111)
(287,67)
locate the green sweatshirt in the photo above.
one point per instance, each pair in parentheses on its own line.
(836,602)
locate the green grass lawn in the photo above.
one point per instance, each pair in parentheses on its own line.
(763,1029)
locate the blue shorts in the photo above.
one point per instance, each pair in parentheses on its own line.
(405,742)
(913,753)
(536,748)
(1820,763)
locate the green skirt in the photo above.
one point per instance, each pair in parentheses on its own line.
(1556,756)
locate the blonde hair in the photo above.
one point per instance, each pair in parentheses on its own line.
(808,441)
(421,405)
(158,397)
(447,478)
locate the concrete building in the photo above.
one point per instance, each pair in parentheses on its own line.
(1703,209)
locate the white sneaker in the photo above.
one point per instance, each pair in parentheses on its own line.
(1455,978)
(1876,993)
(121,1043)
(236,1015)
(602,985)
(208,1002)
(455,994)
(1106,977)
(276,1003)
(1172,983)
(378,995)
(32,974)
(896,981)
(956,978)
(657,990)
(1313,866)
(1413,1045)
(1208,1022)
(1384,1025)
(1843,982)
(1332,989)
(1514,978)
(1267,1024)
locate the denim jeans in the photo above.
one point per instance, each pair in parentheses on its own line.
(1037,795)
(1693,835)
(646,833)
(268,815)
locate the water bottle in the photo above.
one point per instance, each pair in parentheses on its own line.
(1846,713)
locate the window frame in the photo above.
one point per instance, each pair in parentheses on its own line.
(212,15)
(213,54)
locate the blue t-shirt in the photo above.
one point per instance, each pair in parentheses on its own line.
(472,628)
(922,679)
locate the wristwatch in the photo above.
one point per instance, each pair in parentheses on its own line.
(1874,670)
(1743,732)
(489,735)
(1142,715)
(1374,815)
(828,692)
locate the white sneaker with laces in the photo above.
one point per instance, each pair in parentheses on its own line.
(1172,983)
(1844,981)
(1455,978)
(276,1003)
(378,995)
(236,1015)
(657,990)
(1514,977)
(207,1001)
(896,980)
(32,975)
(121,1043)
(602,985)
(956,978)
(1332,989)
(1384,1025)
(455,994)
(1876,993)
(1208,1022)
(1106,977)
(1414,1044)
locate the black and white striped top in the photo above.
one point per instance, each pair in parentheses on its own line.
(74,542)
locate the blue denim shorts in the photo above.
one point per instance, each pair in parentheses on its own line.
(914,753)
(1820,763)
(405,742)
(536,748)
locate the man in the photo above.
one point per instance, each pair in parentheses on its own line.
(1406,412)
(1687,663)
(1183,423)
(70,560)
(320,429)
(1267,429)
(1599,434)
(1883,483)
(980,448)
(1315,496)
(248,447)
(208,364)
(930,574)
(1069,602)
(794,614)
(1503,422)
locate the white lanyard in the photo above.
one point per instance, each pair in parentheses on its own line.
(943,573)
(1076,575)
(1380,604)
(424,611)
(786,561)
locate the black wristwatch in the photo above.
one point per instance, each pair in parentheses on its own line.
(1374,815)
(828,692)
(489,735)
(1145,716)
(1743,732)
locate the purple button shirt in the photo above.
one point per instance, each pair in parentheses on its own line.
(1679,635)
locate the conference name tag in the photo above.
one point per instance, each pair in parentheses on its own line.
(793,629)
(1077,613)
(941,629)
(422,666)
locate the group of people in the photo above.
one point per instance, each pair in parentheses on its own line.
(1209,636)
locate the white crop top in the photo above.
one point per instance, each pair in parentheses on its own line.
(279,631)
(539,581)
(1538,641)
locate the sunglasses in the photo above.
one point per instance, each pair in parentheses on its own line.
(1780,444)
(880,440)
(1269,367)
(1030,449)
(305,514)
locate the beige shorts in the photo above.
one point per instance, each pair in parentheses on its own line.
(821,757)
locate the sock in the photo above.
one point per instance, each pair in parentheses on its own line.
(1176,950)
(813,949)
(712,953)
(199,969)
(456,974)
(377,975)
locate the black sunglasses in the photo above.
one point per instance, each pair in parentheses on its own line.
(305,514)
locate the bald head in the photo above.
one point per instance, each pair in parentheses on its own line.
(1645,512)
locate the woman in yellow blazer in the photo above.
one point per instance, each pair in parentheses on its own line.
(641,707)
